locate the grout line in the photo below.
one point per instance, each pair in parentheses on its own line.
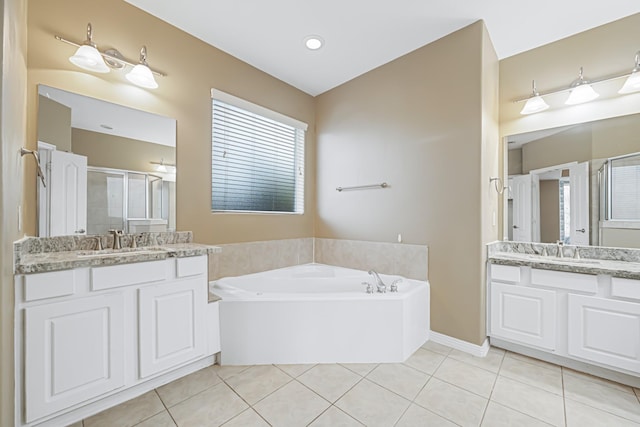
(564,398)
(166,408)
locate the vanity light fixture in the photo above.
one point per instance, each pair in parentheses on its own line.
(141,74)
(313,42)
(535,104)
(581,91)
(88,56)
(632,84)
(163,167)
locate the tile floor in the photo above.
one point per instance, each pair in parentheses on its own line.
(437,386)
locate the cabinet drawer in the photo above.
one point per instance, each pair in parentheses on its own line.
(49,285)
(625,288)
(115,276)
(505,273)
(563,280)
(191,266)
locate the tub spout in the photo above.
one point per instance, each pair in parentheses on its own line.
(382,288)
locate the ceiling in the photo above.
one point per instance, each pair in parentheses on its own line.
(361,35)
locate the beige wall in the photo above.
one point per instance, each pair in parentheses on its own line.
(549,211)
(615,137)
(620,237)
(572,145)
(13,107)
(192,68)
(110,151)
(54,123)
(514,161)
(417,123)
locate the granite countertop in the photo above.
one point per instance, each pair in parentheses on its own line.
(65,260)
(612,267)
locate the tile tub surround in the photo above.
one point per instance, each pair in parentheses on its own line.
(410,261)
(504,389)
(616,262)
(40,254)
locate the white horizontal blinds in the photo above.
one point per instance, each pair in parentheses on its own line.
(625,188)
(257,162)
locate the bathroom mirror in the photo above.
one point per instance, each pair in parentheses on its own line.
(106,166)
(565,183)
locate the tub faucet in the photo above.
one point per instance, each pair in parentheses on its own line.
(382,288)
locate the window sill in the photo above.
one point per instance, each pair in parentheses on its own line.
(620,224)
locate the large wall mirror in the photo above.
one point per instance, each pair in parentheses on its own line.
(577,184)
(106,166)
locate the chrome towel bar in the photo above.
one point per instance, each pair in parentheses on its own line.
(363,187)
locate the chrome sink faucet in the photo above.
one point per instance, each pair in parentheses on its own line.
(117,234)
(560,244)
(382,288)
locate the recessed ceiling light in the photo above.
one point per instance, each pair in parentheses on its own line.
(313,42)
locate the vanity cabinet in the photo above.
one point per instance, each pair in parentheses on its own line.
(101,335)
(74,351)
(588,318)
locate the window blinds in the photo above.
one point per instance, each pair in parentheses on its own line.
(625,188)
(257,162)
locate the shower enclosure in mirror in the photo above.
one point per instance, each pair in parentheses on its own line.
(577,184)
(107,166)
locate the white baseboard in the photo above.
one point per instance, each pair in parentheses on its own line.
(467,347)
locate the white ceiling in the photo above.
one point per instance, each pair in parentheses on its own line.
(363,34)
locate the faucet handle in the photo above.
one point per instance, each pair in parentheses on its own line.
(394,285)
(369,286)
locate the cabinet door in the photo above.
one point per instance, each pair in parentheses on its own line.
(172,324)
(605,331)
(525,315)
(74,351)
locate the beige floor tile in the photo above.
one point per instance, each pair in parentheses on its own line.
(128,413)
(597,380)
(579,415)
(334,417)
(373,405)
(532,361)
(399,378)
(451,402)
(329,381)
(212,407)
(418,416)
(257,382)
(490,362)
(532,374)
(602,397)
(425,361)
(227,371)
(529,400)
(292,405)
(437,348)
(185,387)
(468,377)
(163,419)
(295,370)
(361,369)
(497,415)
(248,418)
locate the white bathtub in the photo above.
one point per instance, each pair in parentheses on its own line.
(316,313)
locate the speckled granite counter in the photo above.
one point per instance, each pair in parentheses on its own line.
(40,254)
(615,262)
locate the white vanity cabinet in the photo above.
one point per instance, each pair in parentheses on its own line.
(586,318)
(92,337)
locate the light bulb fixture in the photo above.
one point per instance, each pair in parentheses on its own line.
(164,167)
(88,57)
(632,84)
(141,74)
(535,103)
(313,42)
(581,91)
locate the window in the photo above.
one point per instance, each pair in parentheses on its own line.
(620,194)
(257,158)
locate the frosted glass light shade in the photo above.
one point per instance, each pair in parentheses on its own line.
(88,58)
(142,76)
(632,84)
(581,94)
(535,104)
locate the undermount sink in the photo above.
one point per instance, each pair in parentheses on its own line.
(121,252)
